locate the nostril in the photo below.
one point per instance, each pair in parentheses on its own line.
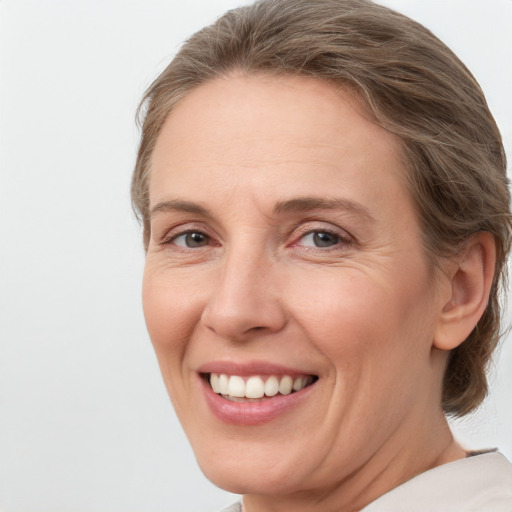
(235,317)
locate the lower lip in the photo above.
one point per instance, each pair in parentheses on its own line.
(252,413)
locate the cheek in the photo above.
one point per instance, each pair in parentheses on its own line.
(376,341)
(357,321)
(170,312)
(171,316)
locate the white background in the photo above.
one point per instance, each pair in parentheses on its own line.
(85,423)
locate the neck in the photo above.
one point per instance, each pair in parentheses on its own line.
(402,458)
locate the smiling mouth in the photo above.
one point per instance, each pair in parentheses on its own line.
(256,388)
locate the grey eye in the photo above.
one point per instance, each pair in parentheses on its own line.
(192,240)
(320,239)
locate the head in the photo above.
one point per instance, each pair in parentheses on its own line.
(410,84)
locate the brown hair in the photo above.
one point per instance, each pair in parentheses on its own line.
(413,85)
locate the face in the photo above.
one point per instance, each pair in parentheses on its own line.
(286,270)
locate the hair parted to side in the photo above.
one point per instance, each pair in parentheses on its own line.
(414,87)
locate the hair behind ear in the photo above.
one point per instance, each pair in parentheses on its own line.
(471,280)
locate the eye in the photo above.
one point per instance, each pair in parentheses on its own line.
(320,239)
(191,240)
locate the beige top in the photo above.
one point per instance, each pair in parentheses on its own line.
(480,483)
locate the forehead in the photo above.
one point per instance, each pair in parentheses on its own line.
(243,127)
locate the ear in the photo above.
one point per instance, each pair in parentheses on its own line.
(471,274)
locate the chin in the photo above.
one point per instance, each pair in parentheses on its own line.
(257,476)
(248,483)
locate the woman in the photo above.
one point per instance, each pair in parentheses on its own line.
(326,219)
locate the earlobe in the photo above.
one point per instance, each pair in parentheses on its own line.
(470,283)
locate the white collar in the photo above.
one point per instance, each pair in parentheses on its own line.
(477,483)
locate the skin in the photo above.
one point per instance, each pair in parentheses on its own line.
(364,313)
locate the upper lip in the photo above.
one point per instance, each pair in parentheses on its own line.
(250,368)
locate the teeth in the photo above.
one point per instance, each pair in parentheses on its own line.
(223,384)
(234,386)
(214,382)
(272,386)
(297,384)
(254,388)
(286,385)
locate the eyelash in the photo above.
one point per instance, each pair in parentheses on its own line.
(342,238)
(185,233)
(175,233)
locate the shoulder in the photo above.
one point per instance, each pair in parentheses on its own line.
(477,483)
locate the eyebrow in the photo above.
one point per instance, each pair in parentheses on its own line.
(299,204)
(304,204)
(179,206)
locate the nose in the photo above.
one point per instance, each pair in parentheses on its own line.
(245,300)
